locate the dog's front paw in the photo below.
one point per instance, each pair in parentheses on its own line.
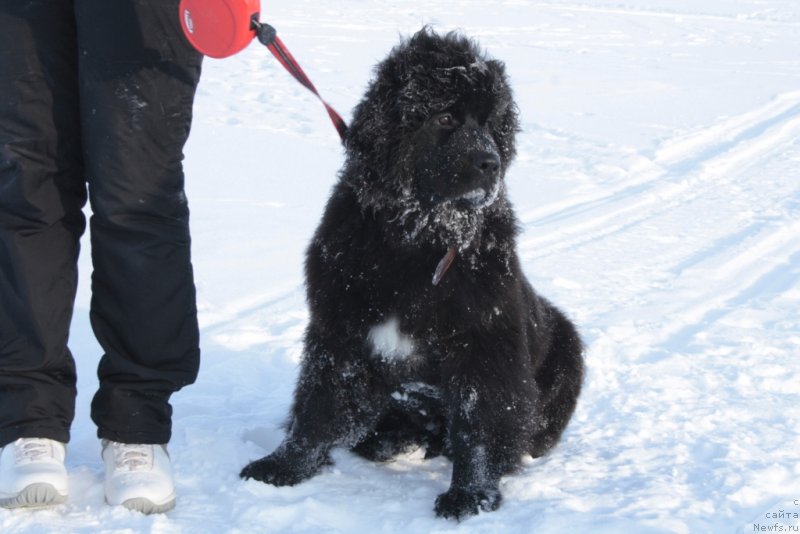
(278,471)
(459,504)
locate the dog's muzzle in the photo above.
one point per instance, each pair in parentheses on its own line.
(484,179)
(479,197)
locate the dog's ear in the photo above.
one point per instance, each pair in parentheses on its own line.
(373,128)
(506,120)
(505,133)
(377,121)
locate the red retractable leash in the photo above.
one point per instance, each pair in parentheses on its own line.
(221,28)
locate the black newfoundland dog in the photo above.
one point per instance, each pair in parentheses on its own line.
(423,329)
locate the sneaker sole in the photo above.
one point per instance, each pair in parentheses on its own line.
(35,496)
(146,506)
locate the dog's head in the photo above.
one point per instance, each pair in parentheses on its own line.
(430,142)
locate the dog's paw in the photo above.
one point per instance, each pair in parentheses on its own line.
(277,471)
(459,504)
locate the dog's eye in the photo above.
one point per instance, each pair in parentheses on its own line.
(445,120)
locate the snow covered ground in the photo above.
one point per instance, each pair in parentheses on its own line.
(658,184)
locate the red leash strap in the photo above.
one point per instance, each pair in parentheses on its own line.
(268,37)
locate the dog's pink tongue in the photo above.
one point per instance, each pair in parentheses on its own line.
(444,264)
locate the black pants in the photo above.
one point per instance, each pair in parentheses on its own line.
(95,93)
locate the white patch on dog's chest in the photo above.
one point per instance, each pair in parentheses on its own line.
(388,342)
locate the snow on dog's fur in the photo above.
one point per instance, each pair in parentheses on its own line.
(423,329)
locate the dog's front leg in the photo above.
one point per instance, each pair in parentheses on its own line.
(289,464)
(334,405)
(483,446)
(475,481)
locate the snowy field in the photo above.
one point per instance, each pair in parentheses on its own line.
(658,185)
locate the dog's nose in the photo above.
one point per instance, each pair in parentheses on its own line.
(487,163)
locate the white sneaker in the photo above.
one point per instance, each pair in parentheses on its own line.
(32,473)
(139,477)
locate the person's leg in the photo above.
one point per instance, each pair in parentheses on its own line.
(41,195)
(42,192)
(138,77)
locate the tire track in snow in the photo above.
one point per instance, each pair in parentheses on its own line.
(683,169)
(766,267)
(753,265)
(759,284)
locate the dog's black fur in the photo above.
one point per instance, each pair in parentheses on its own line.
(477,366)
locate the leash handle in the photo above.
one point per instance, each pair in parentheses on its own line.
(268,36)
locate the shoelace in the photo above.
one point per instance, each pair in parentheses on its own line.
(131,457)
(29,450)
